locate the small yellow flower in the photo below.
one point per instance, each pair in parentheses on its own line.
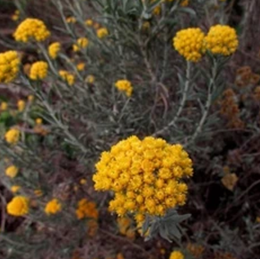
(190,43)
(81,44)
(21,105)
(71,19)
(18,206)
(83,181)
(54,49)
(39,70)
(221,39)
(124,85)
(86,209)
(38,121)
(31,29)
(80,66)
(11,171)
(89,22)
(67,76)
(90,79)
(12,136)
(16,15)
(9,66)
(52,207)
(38,193)
(30,98)
(4,106)
(176,255)
(15,188)
(229,181)
(102,32)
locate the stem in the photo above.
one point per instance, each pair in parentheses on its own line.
(211,89)
(183,101)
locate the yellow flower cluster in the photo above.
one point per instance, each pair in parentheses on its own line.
(82,43)
(176,255)
(67,76)
(86,209)
(52,207)
(54,49)
(12,136)
(21,105)
(145,176)
(124,85)
(190,43)
(102,32)
(11,171)
(9,66)
(221,39)
(39,70)
(31,29)
(18,206)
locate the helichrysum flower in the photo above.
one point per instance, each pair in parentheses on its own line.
(67,76)
(18,206)
(102,32)
(16,15)
(190,43)
(176,255)
(3,106)
(86,209)
(82,43)
(21,105)
(12,136)
(9,66)
(80,66)
(221,39)
(30,98)
(39,70)
(89,22)
(145,176)
(124,85)
(54,49)
(52,207)
(38,121)
(31,29)
(90,79)
(71,19)
(11,171)
(15,188)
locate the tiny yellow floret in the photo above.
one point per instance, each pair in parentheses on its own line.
(18,206)
(15,188)
(52,207)
(54,50)
(124,85)
(39,70)
(176,255)
(12,136)
(21,105)
(11,171)
(9,66)
(102,32)
(81,44)
(67,76)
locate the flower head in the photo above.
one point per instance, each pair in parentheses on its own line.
(221,39)
(176,255)
(21,105)
(124,85)
(86,209)
(89,22)
(82,43)
(38,70)
(67,76)
(12,136)
(15,188)
(190,43)
(11,171)
(3,106)
(102,32)
(31,29)
(52,207)
(18,206)
(54,49)
(9,66)
(145,176)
